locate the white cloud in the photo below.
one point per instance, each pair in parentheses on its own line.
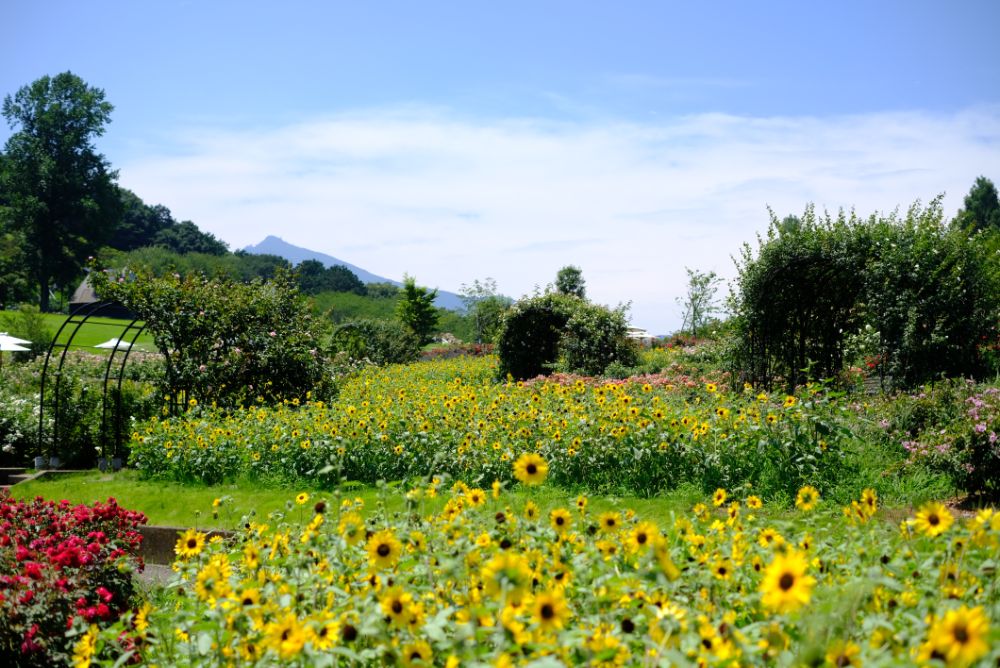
(449,200)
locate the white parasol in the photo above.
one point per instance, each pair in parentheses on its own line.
(115,343)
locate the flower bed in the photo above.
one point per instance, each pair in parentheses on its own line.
(62,568)
(485,583)
(450,417)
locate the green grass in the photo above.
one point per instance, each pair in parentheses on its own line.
(176,504)
(96,330)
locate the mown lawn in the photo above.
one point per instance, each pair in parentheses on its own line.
(95,331)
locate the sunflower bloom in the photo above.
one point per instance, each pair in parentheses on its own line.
(960,635)
(190,544)
(418,654)
(384,549)
(549,610)
(933,519)
(531,469)
(785,586)
(807,498)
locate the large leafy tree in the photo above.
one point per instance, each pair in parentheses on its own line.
(415,309)
(569,281)
(60,192)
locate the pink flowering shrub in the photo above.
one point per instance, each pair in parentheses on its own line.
(962,440)
(62,565)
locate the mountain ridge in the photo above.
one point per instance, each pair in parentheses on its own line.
(274,245)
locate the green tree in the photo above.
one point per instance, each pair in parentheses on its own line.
(699,303)
(485,306)
(569,281)
(416,310)
(139,223)
(60,192)
(982,208)
(185,237)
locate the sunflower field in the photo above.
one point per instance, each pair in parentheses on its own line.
(642,436)
(487,581)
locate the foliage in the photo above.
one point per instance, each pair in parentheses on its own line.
(314,278)
(596,337)
(380,342)
(485,306)
(15,284)
(569,281)
(225,342)
(415,309)
(530,334)
(982,208)
(925,290)
(699,303)
(62,568)
(80,397)
(185,237)
(558,331)
(60,193)
(930,295)
(490,581)
(159,261)
(28,323)
(953,427)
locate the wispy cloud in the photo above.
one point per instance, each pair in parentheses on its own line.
(449,199)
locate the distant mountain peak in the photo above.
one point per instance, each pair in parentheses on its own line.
(273,245)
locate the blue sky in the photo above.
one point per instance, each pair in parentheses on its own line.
(460,140)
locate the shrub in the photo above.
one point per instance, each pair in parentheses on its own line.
(380,342)
(529,336)
(925,291)
(594,338)
(62,566)
(226,342)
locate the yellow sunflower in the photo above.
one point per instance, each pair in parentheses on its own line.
(869,501)
(754,503)
(531,469)
(286,636)
(384,549)
(506,574)
(643,536)
(561,520)
(190,544)
(807,498)
(609,522)
(549,610)
(843,653)
(418,654)
(301,498)
(960,635)
(933,519)
(719,497)
(785,585)
(395,602)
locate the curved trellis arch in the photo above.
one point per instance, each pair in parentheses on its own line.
(48,447)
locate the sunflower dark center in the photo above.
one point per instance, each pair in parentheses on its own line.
(192,543)
(383,550)
(285,634)
(641,538)
(248,601)
(786,582)
(397,607)
(547,611)
(560,521)
(349,633)
(933,519)
(961,634)
(722,570)
(531,469)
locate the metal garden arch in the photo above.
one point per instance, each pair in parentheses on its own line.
(48,447)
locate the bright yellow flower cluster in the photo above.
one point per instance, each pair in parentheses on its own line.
(490,580)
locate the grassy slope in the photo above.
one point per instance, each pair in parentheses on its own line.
(191,505)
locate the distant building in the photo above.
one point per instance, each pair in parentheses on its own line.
(84,297)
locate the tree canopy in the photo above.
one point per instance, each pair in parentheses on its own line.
(569,281)
(416,310)
(59,192)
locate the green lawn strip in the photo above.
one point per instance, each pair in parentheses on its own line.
(191,505)
(97,330)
